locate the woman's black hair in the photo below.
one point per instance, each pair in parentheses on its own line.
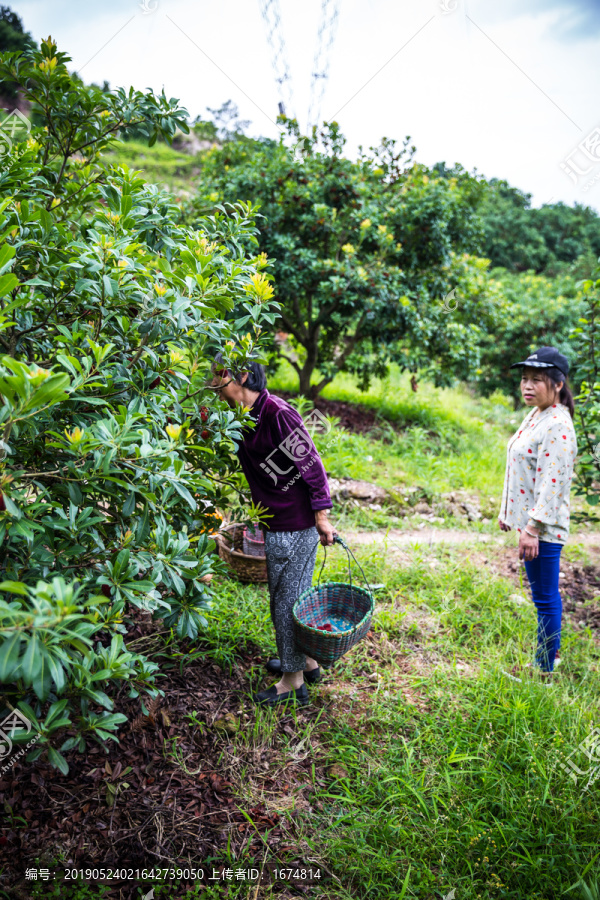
(556,376)
(256,380)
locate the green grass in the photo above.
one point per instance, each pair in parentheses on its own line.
(464,790)
(443,438)
(159,164)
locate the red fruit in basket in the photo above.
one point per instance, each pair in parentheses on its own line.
(204,413)
(205,434)
(326,627)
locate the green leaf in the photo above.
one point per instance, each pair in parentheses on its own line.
(57,760)
(183,492)
(7,252)
(42,681)
(9,656)
(108,286)
(14,587)
(55,711)
(405,885)
(99,697)
(129,504)
(32,660)
(57,671)
(75,494)
(121,563)
(8,282)
(51,391)
(11,507)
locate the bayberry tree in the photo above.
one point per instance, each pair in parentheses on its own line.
(114,453)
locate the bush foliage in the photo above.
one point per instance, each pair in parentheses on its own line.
(115,454)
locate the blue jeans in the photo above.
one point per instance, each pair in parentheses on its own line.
(542,573)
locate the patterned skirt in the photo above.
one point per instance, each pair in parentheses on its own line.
(291,559)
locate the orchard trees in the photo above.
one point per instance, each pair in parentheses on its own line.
(365,253)
(529,311)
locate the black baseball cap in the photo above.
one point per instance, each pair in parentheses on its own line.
(544,358)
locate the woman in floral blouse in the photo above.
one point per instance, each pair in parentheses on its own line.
(537,485)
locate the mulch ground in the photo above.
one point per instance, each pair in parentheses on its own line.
(139,805)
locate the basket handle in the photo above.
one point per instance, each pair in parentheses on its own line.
(338,540)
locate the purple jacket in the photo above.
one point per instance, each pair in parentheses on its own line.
(282,465)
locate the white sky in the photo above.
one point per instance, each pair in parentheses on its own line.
(509,88)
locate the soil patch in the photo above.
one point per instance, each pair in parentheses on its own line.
(353,417)
(169,793)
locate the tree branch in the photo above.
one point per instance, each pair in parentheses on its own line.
(291,361)
(292,329)
(351,342)
(327,311)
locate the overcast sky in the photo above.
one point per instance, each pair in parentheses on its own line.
(509,88)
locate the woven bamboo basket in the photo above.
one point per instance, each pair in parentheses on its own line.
(347,608)
(246,568)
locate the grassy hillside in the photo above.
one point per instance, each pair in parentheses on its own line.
(160,164)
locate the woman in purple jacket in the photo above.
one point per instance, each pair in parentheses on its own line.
(286,475)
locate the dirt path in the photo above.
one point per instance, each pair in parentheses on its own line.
(579,582)
(397,539)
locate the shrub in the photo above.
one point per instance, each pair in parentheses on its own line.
(110,314)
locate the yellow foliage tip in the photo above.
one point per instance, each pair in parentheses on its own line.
(76,436)
(260,287)
(173,431)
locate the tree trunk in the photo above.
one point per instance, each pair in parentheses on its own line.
(310,363)
(304,381)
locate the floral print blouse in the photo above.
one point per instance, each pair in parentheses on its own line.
(539,468)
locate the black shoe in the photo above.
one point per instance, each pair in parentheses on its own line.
(270,697)
(274,666)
